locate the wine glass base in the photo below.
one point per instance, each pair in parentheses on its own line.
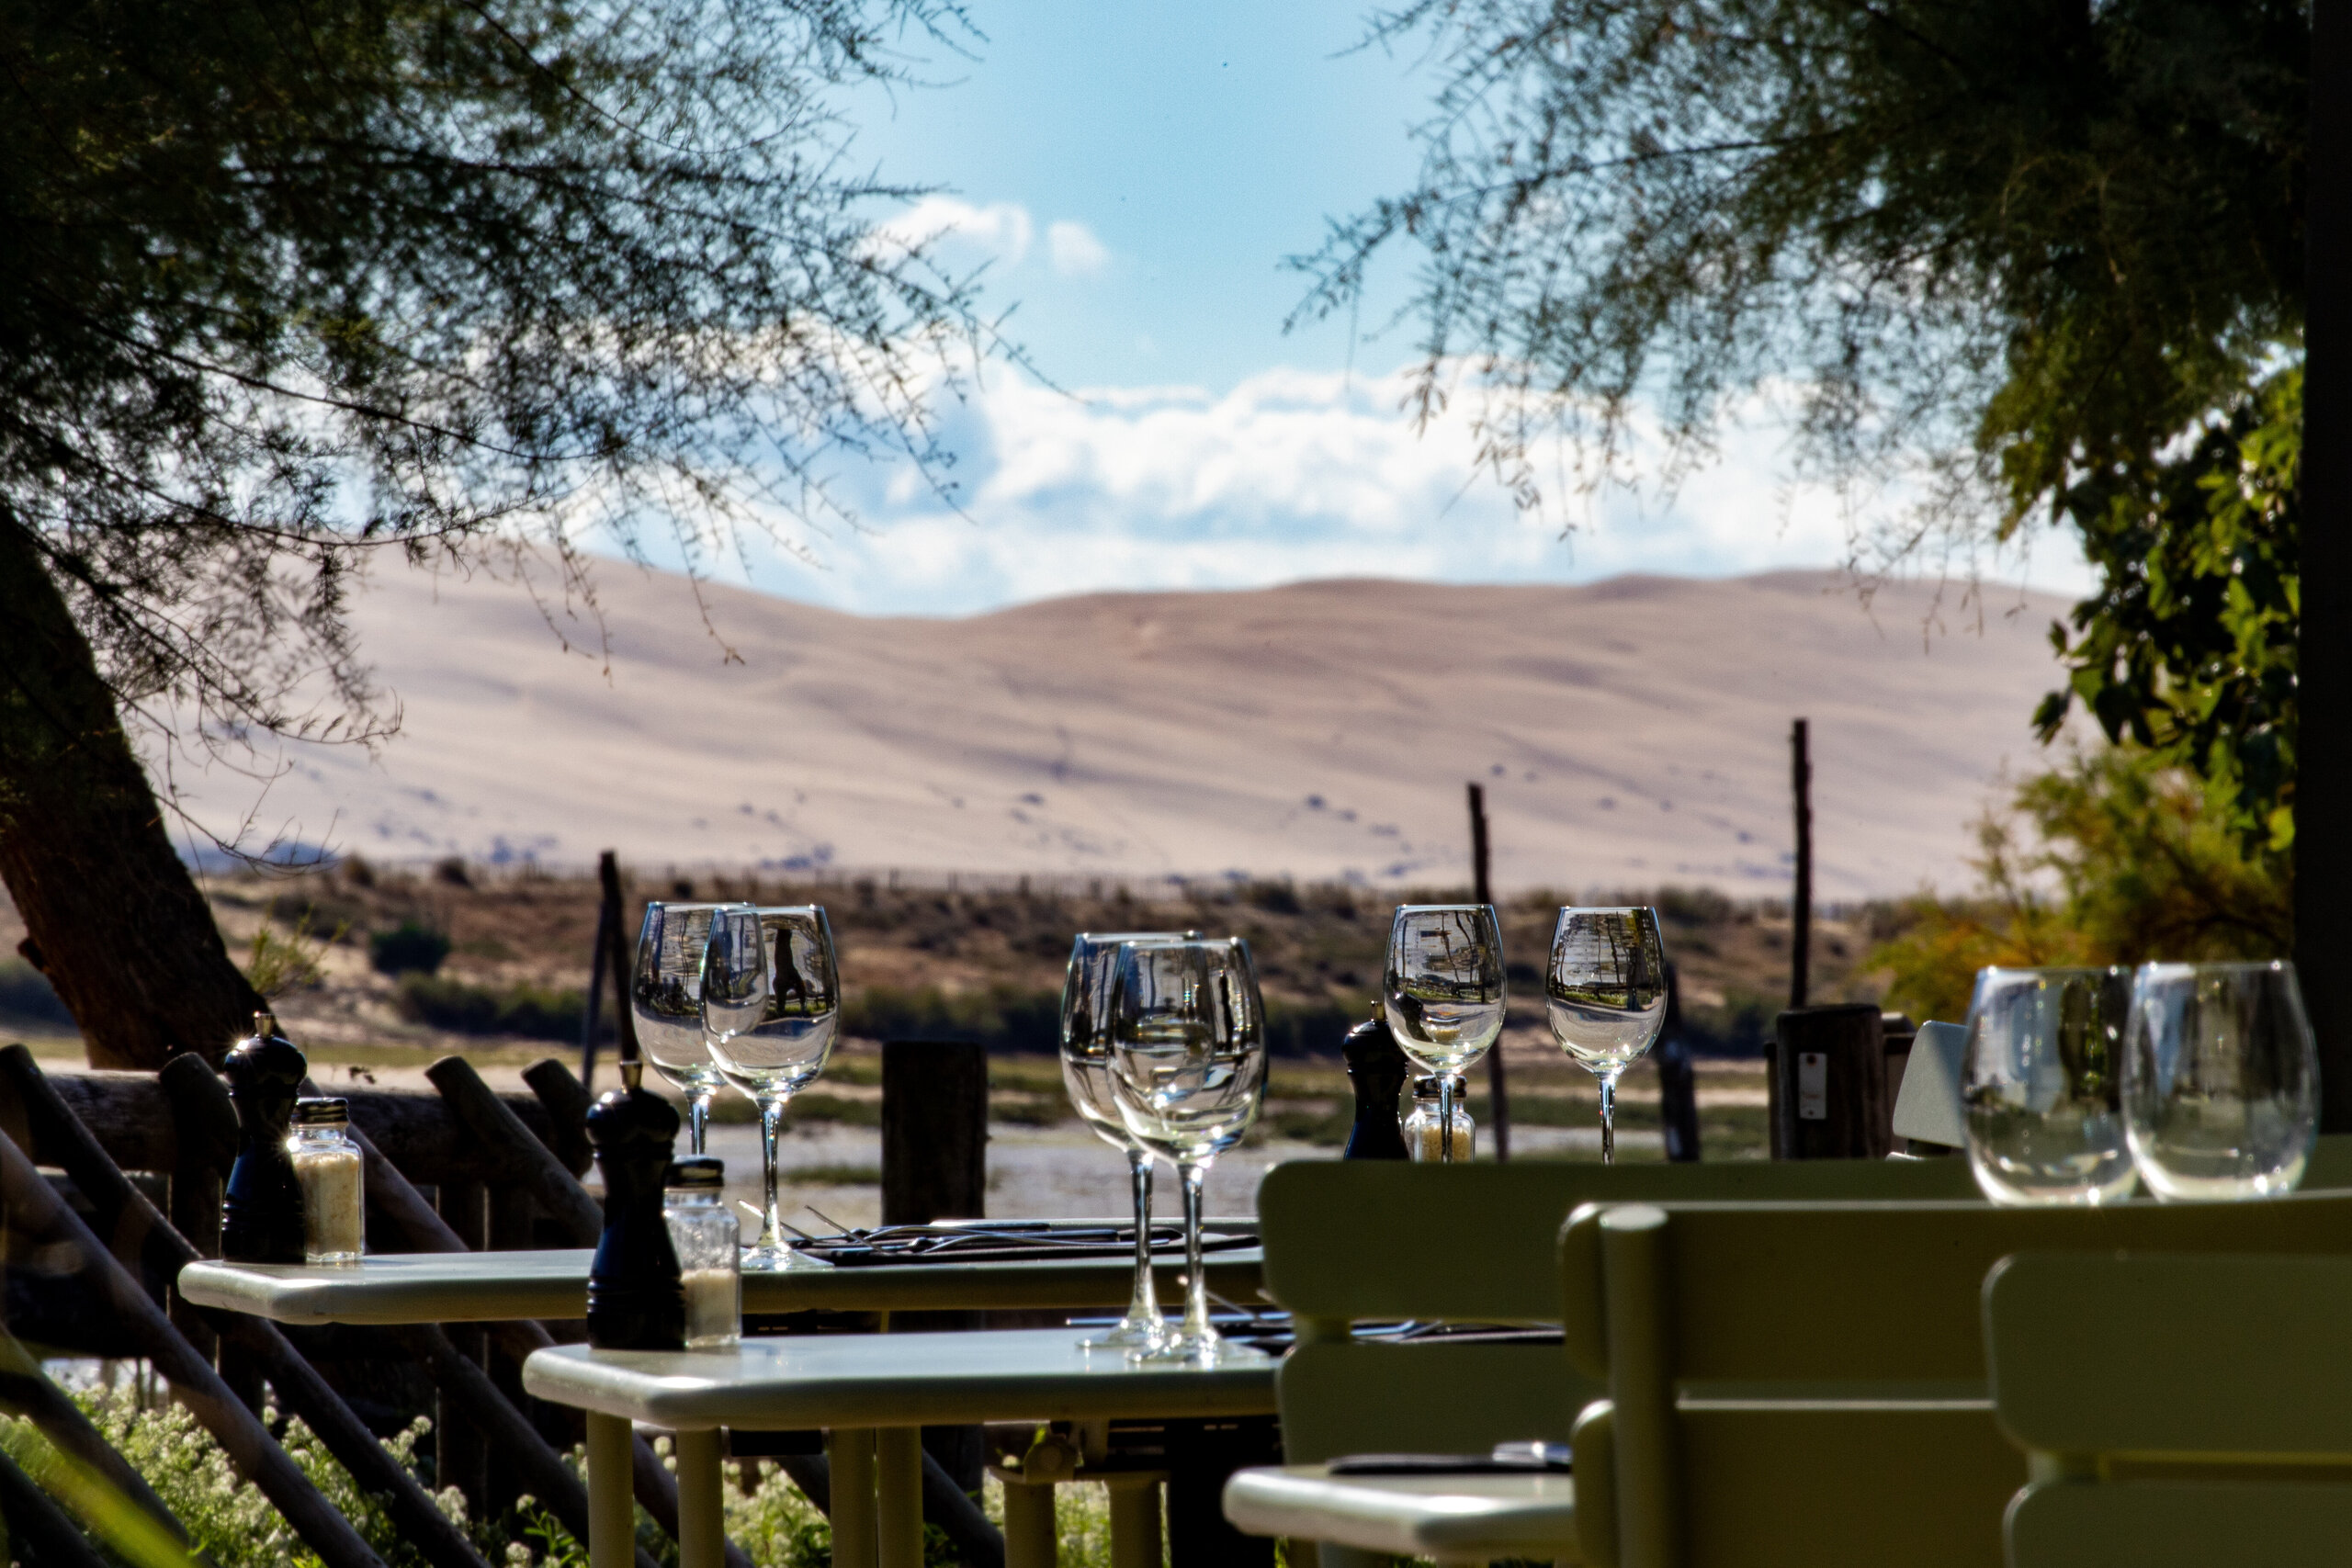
(1128,1336)
(779,1261)
(1215,1351)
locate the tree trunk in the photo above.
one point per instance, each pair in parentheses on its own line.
(117,923)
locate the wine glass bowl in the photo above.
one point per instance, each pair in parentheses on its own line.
(2042,1084)
(771,997)
(665,995)
(1188,1073)
(1604,996)
(1443,988)
(2220,1079)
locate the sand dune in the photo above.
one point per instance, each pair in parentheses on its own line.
(1630,733)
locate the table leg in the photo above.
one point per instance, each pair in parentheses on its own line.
(897,1486)
(1134,1521)
(1028,1526)
(702,1527)
(612,1511)
(849,1450)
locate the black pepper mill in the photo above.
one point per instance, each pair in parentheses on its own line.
(635,1300)
(261,1207)
(1377,1070)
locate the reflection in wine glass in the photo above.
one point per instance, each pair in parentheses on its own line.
(666,995)
(2220,1079)
(771,999)
(1188,1072)
(2043,1082)
(1443,993)
(1605,995)
(1086,1072)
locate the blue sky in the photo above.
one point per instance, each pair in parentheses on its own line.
(1133,175)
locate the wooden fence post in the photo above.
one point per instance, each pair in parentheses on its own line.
(1497,1091)
(1801,905)
(1829,1084)
(934,1130)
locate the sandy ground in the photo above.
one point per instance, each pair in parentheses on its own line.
(1630,733)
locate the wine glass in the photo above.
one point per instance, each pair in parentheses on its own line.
(666,997)
(1605,993)
(770,1002)
(2220,1079)
(1188,1073)
(1443,993)
(1086,1072)
(2043,1084)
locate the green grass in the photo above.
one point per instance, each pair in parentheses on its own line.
(831,1175)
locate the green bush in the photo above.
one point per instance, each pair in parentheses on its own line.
(1001,1017)
(228,1523)
(407,949)
(463,1008)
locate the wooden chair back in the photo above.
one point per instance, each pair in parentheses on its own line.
(2175,1410)
(1804,1383)
(1355,1241)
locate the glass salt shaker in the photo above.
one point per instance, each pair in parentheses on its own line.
(1423,1132)
(326,1172)
(705,1236)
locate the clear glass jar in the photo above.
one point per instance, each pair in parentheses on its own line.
(327,1170)
(710,1261)
(1424,1134)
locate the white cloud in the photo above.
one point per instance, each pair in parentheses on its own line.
(1076,251)
(1291,475)
(1003,230)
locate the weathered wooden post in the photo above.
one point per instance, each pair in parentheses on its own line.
(1678,1087)
(1801,904)
(1497,1091)
(1829,1084)
(934,1130)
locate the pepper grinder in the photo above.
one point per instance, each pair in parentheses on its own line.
(1377,1071)
(636,1298)
(261,1207)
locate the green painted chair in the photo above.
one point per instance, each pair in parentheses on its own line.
(2175,1411)
(1805,1384)
(1366,1241)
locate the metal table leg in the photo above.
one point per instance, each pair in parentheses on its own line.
(850,1451)
(702,1527)
(1028,1526)
(897,1486)
(611,1513)
(1135,1520)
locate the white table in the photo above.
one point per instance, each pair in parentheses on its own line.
(1465,1518)
(872,1394)
(489,1287)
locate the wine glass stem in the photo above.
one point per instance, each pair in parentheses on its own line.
(1143,1308)
(770,1217)
(1446,1118)
(697,1121)
(1609,1119)
(1197,1334)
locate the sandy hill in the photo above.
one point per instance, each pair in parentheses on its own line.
(1630,733)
